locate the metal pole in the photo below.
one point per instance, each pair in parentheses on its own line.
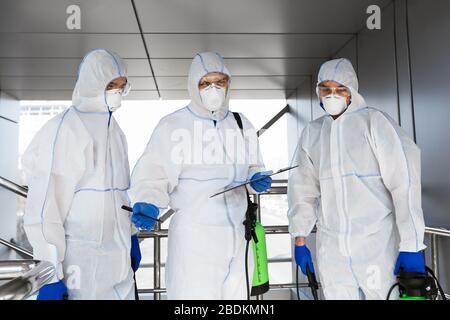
(16,248)
(13,187)
(437,231)
(157,263)
(28,283)
(272,286)
(434,254)
(11,269)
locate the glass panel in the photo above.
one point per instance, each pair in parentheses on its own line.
(274,209)
(279,247)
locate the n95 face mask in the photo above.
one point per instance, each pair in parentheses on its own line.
(334,104)
(213,97)
(113,99)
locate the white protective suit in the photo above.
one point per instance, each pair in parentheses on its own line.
(206,245)
(359,181)
(78,174)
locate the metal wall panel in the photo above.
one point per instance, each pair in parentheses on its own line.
(9,141)
(430,78)
(376,65)
(253,16)
(47,67)
(70,45)
(99,16)
(245,45)
(242,66)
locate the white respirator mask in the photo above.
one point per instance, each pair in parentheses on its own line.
(113,97)
(213,97)
(334,104)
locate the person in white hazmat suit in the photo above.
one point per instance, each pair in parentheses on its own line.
(78,174)
(193,153)
(359,183)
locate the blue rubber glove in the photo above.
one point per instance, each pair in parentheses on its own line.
(261,185)
(135,253)
(141,213)
(410,262)
(53,291)
(303,258)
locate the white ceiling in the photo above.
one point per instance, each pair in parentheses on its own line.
(270,46)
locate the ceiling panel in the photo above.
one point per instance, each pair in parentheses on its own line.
(41,94)
(245,46)
(68,45)
(67,95)
(249,82)
(111,16)
(62,83)
(246,67)
(258,94)
(269,45)
(46,67)
(254,16)
(275,82)
(37,83)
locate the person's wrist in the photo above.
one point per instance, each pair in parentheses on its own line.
(299,241)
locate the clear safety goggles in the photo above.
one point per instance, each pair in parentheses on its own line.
(340,91)
(221,83)
(122,91)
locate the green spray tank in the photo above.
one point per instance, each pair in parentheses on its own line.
(260,283)
(254,233)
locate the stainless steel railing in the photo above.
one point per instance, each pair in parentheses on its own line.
(11,269)
(16,248)
(13,187)
(25,277)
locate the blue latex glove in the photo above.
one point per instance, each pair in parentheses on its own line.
(53,291)
(135,253)
(410,262)
(261,185)
(303,258)
(141,213)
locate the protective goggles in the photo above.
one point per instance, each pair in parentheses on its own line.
(340,91)
(123,91)
(204,84)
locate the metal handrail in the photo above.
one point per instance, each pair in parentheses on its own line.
(13,187)
(281,229)
(271,287)
(10,269)
(281,113)
(437,231)
(166,215)
(16,248)
(24,285)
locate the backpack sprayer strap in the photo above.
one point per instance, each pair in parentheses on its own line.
(250,215)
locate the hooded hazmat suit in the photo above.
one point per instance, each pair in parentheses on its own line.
(77,173)
(359,182)
(192,154)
